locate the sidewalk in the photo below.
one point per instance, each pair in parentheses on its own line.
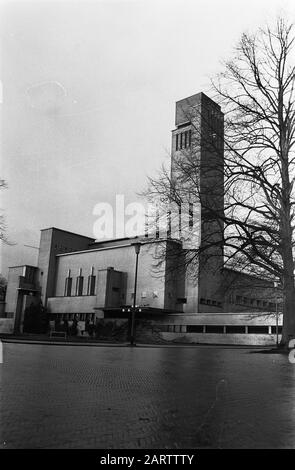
(87,341)
(71,341)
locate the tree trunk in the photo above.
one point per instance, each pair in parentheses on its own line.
(288,278)
(288,311)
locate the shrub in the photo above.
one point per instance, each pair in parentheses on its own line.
(36,319)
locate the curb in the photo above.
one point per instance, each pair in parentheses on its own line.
(61,343)
(122,345)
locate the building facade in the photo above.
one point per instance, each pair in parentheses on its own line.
(77,276)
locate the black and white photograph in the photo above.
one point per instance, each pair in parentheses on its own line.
(147,230)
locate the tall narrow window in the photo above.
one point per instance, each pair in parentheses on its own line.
(183,140)
(68,285)
(79,283)
(91,283)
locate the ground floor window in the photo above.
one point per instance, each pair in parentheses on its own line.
(68,287)
(79,285)
(91,285)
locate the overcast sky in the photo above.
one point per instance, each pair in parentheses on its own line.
(89,91)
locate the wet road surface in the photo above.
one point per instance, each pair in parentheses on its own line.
(121,397)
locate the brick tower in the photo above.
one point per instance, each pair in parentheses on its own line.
(197,174)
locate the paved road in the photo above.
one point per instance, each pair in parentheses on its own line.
(108,397)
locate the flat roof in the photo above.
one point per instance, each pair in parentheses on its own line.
(114,247)
(199,95)
(66,231)
(256,276)
(22,266)
(111,240)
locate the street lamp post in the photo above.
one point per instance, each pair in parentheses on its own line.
(137,246)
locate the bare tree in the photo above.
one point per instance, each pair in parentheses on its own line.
(2,221)
(256,93)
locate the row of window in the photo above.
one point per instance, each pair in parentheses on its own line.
(237,329)
(183,140)
(79,286)
(73,316)
(229,329)
(214,303)
(240,300)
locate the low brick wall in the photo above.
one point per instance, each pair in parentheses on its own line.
(174,329)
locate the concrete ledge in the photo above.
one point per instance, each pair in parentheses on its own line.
(75,304)
(245,319)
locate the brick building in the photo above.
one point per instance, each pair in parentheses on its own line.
(77,276)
